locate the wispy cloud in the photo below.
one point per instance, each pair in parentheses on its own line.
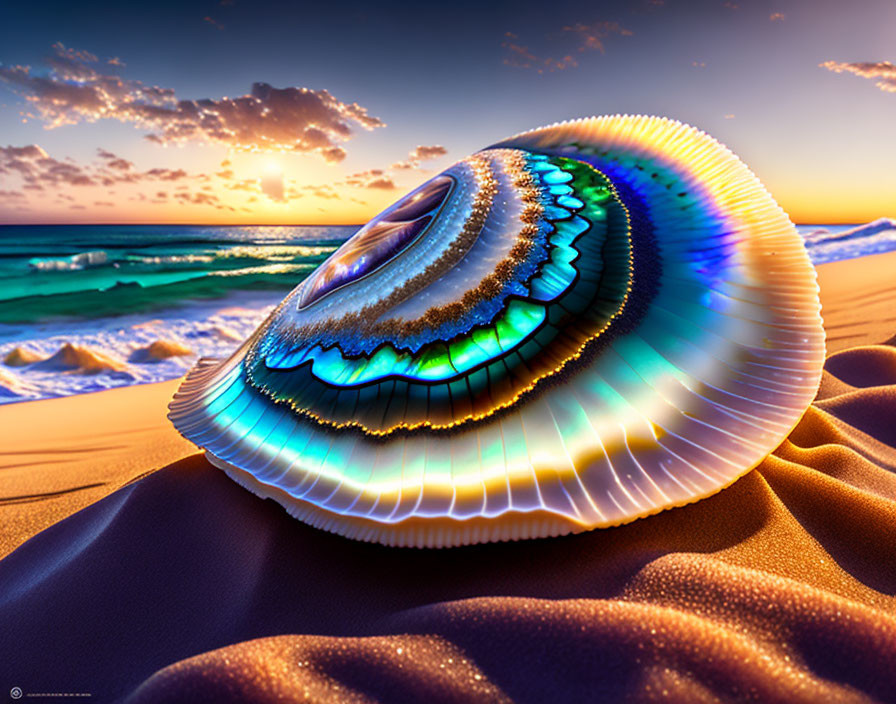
(39,173)
(591,36)
(517,54)
(425,153)
(777,17)
(883,71)
(325,191)
(74,89)
(37,169)
(115,162)
(575,38)
(372,178)
(420,154)
(213,22)
(11,195)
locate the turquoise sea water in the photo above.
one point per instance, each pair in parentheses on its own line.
(115,289)
(53,272)
(90,271)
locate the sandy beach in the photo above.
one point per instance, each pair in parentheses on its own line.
(132,569)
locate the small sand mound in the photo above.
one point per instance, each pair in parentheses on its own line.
(79,359)
(21,357)
(159,350)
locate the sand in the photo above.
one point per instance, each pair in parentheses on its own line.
(60,455)
(858,299)
(182,586)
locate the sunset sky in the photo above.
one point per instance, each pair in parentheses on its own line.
(280,112)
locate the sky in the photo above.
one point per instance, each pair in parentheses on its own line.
(258,112)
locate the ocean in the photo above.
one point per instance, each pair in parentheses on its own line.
(87,303)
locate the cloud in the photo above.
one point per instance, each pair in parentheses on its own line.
(113,161)
(587,37)
(115,61)
(372,178)
(246,184)
(421,153)
(30,151)
(18,159)
(325,191)
(37,169)
(214,23)
(882,70)
(70,63)
(39,172)
(591,36)
(424,153)
(777,17)
(517,54)
(333,155)
(266,119)
(198,198)
(167,174)
(383,183)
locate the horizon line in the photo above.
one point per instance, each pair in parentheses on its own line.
(175,224)
(330,224)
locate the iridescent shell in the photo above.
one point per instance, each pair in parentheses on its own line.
(579,326)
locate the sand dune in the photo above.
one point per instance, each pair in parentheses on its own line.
(182,586)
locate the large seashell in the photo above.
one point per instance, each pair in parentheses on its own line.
(579,326)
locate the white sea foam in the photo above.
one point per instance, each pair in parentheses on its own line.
(84,260)
(210,329)
(834,244)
